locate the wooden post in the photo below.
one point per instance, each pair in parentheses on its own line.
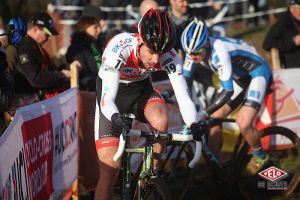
(74,75)
(275,59)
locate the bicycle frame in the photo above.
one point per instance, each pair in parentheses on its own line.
(217,166)
(145,172)
(233,169)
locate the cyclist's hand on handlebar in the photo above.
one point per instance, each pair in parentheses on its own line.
(120,122)
(202,116)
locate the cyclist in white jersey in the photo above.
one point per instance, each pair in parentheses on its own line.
(123,86)
(244,76)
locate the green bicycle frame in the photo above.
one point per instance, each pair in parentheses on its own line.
(145,172)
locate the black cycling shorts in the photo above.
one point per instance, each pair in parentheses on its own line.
(131,98)
(240,99)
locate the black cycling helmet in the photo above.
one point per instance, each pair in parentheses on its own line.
(157,30)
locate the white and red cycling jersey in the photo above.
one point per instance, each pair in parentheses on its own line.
(120,65)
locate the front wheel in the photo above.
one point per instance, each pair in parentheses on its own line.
(283,147)
(156,189)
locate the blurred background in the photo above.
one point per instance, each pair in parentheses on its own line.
(247,19)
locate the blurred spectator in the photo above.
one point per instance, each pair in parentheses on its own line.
(162,2)
(70,14)
(146,5)
(285,36)
(115,15)
(134,3)
(217,29)
(94,11)
(36,77)
(16,31)
(97,3)
(6,90)
(238,8)
(257,6)
(143,8)
(3,37)
(106,33)
(181,14)
(84,48)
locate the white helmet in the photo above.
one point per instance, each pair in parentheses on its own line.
(194,36)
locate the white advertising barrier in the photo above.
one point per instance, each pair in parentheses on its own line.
(283,108)
(38,151)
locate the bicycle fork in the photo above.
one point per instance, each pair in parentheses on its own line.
(126,181)
(146,172)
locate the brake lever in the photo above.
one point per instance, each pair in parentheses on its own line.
(122,142)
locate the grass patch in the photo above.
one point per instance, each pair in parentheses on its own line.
(252,35)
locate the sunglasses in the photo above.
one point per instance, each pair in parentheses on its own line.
(200,51)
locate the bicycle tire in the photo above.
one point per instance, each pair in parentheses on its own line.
(177,174)
(156,189)
(176,164)
(256,187)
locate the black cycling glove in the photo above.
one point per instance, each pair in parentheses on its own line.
(195,131)
(120,122)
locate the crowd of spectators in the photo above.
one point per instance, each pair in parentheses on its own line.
(85,49)
(6,90)
(35,74)
(285,36)
(15,32)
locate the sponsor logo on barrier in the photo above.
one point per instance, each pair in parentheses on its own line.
(16,183)
(38,142)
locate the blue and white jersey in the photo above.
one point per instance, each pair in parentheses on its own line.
(233,59)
